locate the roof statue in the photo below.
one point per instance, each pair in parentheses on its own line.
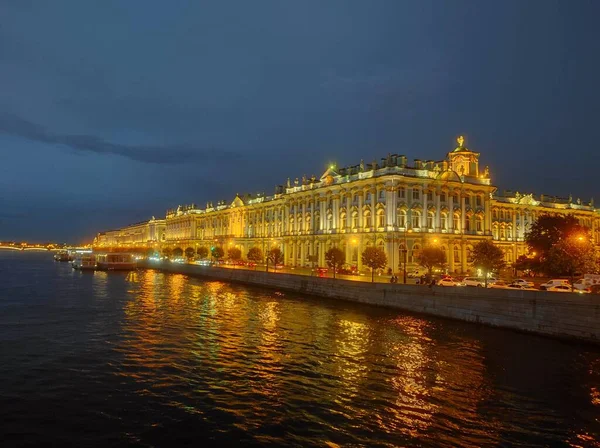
(288,183)
(461,141)
(362,165)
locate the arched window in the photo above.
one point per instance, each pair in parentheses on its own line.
(380,218)
(402,218)
(368,222)
(456,255)
(456,221)
(413,254)
(308,226)
(468,224)
(469,254)
(509,232)
(355,220)
(444,221)
(479,224)
(430,219)
(416,219)
(317,222)
(342,220)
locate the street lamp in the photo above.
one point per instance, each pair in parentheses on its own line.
(405,251)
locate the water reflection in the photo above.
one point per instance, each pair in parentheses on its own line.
(261,361)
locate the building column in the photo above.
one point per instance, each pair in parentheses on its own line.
(463,217)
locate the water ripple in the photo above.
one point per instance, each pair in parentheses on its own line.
(148,359)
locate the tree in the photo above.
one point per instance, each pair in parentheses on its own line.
(335,258)
(275,257)
(571,257)
(548,230)
(202,252)
(374,258)
(167,252)
(488,257)
(431,257)
(217,252)
(255,254)
(178,252)
(189,253)
(234,254)
(150,252)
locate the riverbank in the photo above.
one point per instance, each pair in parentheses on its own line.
(563,315)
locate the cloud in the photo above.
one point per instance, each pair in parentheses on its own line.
(169,154)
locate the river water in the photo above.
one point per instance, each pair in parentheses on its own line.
(151,359)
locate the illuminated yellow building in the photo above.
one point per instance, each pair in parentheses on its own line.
(144,234)
(388,204)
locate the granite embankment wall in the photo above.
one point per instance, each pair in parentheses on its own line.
(564,315)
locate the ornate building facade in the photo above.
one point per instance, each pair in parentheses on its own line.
(388,204)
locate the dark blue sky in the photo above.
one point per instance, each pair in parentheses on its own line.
(113,111)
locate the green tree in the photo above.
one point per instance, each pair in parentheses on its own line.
(255,254)
(431,257)
(167,252)
(488,257)
(374,258)
(548,230)
(189,253)
(572,256)
(217,252)
(234,254)
(202,252)
(275,257)
(178,252)
(150,252)
(335,258)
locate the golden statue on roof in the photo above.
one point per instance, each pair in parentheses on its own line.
(461,141)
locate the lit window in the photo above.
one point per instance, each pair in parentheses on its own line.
(402,218)
(380,219)
(416,220)
(416,194)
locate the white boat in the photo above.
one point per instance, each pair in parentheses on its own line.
(116,262)
(85,262)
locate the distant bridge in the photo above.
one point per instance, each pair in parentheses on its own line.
(24,247)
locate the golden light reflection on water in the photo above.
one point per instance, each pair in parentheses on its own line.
(351,345)
(413,410)
(252,351)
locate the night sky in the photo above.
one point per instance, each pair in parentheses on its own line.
(114,111)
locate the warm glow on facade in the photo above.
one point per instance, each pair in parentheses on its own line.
(450,203)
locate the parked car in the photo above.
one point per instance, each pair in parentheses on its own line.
(555,282)
(499,284)
(520,286)
(522,282)
(559,288)
(347,270)
(595,289)
(416,273)
(448,281)
(478,281)
(320,271)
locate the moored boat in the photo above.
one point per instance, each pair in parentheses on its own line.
(120,262)
(85,262)
(62,256)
